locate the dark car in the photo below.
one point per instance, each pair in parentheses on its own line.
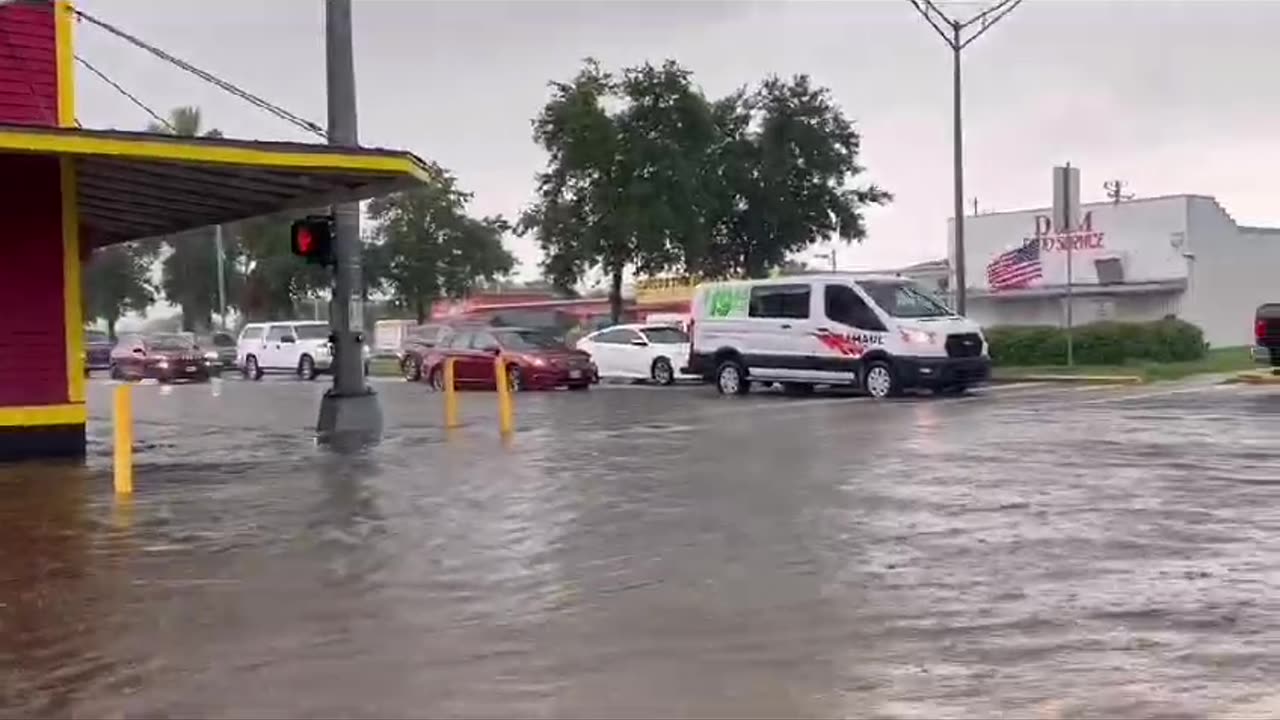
(97,351)
(1266,334)
(220,350)
(417,344)
(164,357)
(534,360)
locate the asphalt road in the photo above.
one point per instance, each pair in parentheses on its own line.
(1028,551)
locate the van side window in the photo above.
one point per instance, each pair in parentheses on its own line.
(251,333)
(846,307)
(780,301)
(277,332)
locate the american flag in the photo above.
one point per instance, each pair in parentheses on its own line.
(1015,268)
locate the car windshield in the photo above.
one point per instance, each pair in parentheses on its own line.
(527,340)
(223,340)
(170,342)
(430,333)
(312,332)
(666,335)
(904,300)
(95,336)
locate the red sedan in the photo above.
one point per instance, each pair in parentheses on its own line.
(534,360)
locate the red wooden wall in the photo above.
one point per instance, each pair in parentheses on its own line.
(33,361)
(28,65)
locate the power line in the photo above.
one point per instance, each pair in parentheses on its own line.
(158,118)
(276,110)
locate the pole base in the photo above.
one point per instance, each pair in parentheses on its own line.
(349,422)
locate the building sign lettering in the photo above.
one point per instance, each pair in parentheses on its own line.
(1051,240)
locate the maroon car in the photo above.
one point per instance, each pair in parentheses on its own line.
(164,357)
(535,360)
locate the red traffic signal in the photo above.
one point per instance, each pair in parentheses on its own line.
(312,239)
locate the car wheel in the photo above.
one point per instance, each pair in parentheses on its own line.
(878,380)
(437,379)
(114,372)
(252,369)
(662,372)
(306,368)
(731,378)
(514,383)
(411,368)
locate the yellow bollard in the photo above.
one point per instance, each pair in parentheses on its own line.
(450,396)
(506,413)
(124,439)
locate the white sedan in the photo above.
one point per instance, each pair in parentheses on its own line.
(648,352)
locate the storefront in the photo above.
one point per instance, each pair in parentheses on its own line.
(1138,260)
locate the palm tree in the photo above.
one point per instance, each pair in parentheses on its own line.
(189,272)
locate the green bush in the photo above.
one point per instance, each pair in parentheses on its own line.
(1103,343)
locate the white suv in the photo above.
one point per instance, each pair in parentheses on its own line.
(299,347)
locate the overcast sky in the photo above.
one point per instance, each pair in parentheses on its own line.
(1172,97)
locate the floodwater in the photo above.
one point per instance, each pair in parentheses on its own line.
(1028,552)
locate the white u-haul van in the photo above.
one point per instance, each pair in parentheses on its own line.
(883,334)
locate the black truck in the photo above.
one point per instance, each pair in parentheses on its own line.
(1266,335)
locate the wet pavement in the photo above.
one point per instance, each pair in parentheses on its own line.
(1031,551)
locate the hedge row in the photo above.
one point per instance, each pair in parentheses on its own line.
(1103,343)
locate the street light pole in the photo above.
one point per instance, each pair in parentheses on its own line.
(349,413)
(952,32)
(222,275)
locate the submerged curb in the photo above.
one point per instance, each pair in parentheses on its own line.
(1075,379)
(1256,377)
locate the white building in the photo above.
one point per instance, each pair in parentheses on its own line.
(1144,259)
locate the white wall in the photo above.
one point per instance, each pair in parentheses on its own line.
(1143,234)
(992,310)
(1234,271)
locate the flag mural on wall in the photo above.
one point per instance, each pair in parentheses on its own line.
(1016,268)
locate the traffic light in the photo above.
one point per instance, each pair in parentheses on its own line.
(311,239)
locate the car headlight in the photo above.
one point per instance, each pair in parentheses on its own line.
(162,363)
(917,337)
(211,356)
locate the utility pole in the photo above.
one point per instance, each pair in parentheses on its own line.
(222,275)
(1115,191)
(349,413)
(953,34)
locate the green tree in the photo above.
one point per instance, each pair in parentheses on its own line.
(189,272)
(275,279)
(426,246)
(627,188)
(781,179)
(117,280)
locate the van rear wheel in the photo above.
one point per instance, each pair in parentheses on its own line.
(731,378)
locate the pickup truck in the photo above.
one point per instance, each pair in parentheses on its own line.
(1266,335)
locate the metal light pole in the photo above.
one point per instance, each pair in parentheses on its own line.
(222,275)
(349,413)
(953,34)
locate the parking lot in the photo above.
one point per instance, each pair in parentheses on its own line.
(1028,550)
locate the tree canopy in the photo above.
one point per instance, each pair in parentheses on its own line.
(425,246)
(646,174)
(117,280)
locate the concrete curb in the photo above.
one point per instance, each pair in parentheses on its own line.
(1074,379)
(1255,377)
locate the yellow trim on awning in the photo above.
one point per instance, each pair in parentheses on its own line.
(38,415)
(179,151)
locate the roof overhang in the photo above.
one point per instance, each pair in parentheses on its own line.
(133,185)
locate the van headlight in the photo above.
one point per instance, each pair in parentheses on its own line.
(211,356)
(917,337)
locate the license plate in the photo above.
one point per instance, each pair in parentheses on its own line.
(575,374)
(191,368)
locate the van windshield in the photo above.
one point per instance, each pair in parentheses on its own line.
(904,300)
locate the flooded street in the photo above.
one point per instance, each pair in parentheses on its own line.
(1030,551)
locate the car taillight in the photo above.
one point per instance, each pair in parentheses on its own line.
(1259,329)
